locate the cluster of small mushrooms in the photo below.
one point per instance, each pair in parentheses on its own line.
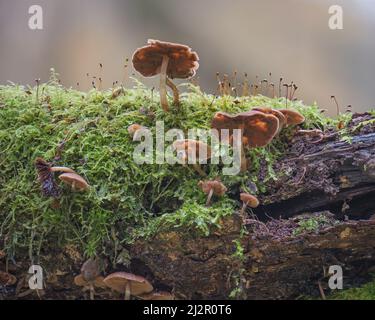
(121,282)
(217,188)
(259,126)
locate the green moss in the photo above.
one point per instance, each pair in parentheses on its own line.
(365,292)
(135,200)
(312,224)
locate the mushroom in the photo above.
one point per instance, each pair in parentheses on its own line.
(214,187)
(42,164)
(62,169)
(134,128)
(248,200)
(169,60)
(90,277)
(157,295)
(46,179)
(312,133)
(258,129)
(128,283)
(188,149)
(7,279)
(279,115)
(75,181)
(293,117)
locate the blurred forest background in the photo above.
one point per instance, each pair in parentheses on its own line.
(289,38)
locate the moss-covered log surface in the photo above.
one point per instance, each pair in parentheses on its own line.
(317,199)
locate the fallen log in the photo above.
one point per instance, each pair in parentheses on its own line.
(287,268)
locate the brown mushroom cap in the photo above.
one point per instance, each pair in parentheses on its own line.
(293,117)
(74,179)
(62,169)
(279,115)
(157,295)
(250,200)
(97,282)
(183,62)
(138,285)
(80,281)
(7,279)
(2,254)
(134,128)
(218,188)
(188,147)
(258,128)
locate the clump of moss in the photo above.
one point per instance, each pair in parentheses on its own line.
(88,132)
(365,292)
(313,224)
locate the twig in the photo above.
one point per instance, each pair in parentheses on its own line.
(322,294)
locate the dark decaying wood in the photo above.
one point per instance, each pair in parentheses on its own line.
(206,268)
(335,176)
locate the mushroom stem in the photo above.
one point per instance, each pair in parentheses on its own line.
(163,83)
(244,206)
(209,197)
(127,291)
(243,159)
(176,94)
(198,168)
(91,291)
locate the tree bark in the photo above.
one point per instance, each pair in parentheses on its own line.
(334,175)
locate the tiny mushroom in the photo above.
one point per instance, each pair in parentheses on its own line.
(293,117)
(75,181)
(170,60)
(7,279)
(312,133)
(193,152)
(134,128)
(90,277)
(248,200)
(258,129)
(157,295)
(128,283)
(214,187)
